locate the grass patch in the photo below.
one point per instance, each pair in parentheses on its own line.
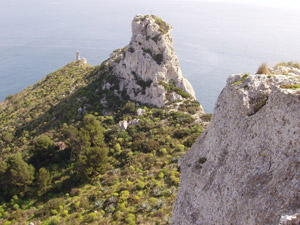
(242,80)
(290,86)
(263,69)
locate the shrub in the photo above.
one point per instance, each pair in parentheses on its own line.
(146,146)
(263,69)
(163,26)
(88,218)
(130,219)
(158,58)
(129,107)
(140,185)
(182,92)
(52,204)
(160,175)
(163,151)
(131,49)
(54,221)
(9,97)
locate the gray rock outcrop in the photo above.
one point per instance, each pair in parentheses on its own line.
(140,112)
(245,168)
(123,125)
(290,220)
(82,60)
(149,63)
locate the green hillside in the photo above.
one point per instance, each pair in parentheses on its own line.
(65,160)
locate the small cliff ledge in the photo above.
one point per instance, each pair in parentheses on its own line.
(245,168)
(148,66)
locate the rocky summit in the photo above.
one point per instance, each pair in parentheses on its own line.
(148,66)
(245,168)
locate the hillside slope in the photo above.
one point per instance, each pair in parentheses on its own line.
(76,148)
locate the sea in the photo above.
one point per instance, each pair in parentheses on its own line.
(212,40)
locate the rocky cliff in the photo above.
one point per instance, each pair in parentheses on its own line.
(245,168)
(148,66)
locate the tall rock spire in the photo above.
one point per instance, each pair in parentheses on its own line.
(148,67)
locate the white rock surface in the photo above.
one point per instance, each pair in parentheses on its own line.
(134,122)
(141,112)
(123,125)
(245,168)
(78,56)
(150,56)
(290,220)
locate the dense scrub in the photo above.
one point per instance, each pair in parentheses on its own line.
(64,159)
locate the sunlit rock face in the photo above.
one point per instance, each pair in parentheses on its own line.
(245,168)
(148,62)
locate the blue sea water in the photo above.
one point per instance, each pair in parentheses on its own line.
(212,40)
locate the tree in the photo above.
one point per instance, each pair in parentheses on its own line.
(72,133)
(3,178)
(92,162)
(91,132)
(43,181)
(92,157)
(20,175)
(43,147)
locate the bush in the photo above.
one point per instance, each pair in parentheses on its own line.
(146,146)
(158,58)
(130,219)
(54,221)
(129,107)
(263,69)
(140,185)
(88,218)
(163,26)
(53,204)
(182,92)
(131,49)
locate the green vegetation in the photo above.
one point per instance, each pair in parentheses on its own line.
(163,26)
(64,159)
(131,49)
(288,64)
(156,38)
(158,58)
(244,77)
(258,104)
(143,84)
(172,88)
(291,86)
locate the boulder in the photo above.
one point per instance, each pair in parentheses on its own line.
(140,112)
(123,125)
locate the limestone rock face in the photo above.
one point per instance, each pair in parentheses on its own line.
(123,125)
(147,61)
(245,168)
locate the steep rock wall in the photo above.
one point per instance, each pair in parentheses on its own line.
(245,168)
(149,62)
